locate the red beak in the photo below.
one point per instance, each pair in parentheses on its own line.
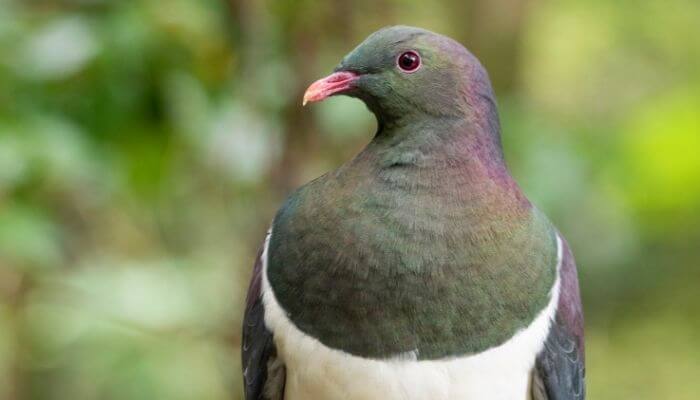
(334,83)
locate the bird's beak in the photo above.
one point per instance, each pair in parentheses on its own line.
(337,82)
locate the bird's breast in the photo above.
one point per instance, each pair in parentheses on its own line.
(317,371)
(383,276)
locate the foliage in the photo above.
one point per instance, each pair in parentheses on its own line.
(145,145)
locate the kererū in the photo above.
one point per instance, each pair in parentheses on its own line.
(418,269)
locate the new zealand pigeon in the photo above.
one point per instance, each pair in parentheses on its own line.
(418,269)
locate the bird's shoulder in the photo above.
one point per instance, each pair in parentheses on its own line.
(263,372)
(559,372)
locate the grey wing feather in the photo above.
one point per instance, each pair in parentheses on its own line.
(263,372)
(560,370)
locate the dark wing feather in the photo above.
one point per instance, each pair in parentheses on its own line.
(263,373)
(559,372)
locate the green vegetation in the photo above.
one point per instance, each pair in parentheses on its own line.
(145,145)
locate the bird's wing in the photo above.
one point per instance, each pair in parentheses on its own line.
(559,372)
(263,373)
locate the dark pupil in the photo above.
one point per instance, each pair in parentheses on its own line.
(408,61)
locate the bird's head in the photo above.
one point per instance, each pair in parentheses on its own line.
(403,73)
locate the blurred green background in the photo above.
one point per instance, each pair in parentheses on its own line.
(146,144)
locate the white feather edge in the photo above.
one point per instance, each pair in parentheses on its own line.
(318,372)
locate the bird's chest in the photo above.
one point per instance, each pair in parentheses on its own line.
(318,372)
(376,288)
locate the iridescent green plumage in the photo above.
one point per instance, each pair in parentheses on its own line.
(423,242)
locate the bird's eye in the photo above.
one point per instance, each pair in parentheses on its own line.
(408,61)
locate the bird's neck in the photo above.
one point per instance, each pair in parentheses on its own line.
(461,156)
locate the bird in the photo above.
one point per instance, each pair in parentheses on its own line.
(417,269)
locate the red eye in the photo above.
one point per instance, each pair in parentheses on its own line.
(408,61)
